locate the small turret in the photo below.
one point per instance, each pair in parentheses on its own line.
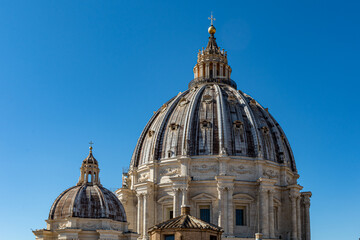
(89,171)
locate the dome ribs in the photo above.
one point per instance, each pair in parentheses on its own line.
(135,158)
(214,119)
(238,127)
(288,153)
(274,131)
(264,134)
(159,135)
(204,131)
(188,139)
(88,201)
(220,119)
(250,127)
(54,210)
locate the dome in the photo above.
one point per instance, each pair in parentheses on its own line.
(213,118)
(87,201)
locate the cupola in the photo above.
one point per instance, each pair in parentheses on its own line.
(212,64)
(89,171)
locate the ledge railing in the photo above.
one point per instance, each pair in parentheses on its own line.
(203,80)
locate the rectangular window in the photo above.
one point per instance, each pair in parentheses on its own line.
(168,213)
(240,217)
(205,213)
(213,237)
(171,213)
(170,237)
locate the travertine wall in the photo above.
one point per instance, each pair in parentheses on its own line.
(267,191)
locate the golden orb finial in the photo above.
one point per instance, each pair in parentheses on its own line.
(212,29)
(91,143)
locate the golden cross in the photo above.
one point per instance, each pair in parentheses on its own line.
(211,19)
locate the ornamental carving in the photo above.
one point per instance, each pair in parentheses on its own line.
(62,225)
(207,98)
(163,107)
(90,225)
(270,173)
(205,124)
(238,125)
(115,226)
(288,180)
(239,169)
(151,133)
(231,99)
(183,102)
(174,126)
(126,181)
(204,168)
(265,130)
(169,171)
(143,177)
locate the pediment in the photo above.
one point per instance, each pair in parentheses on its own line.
(165,199)
(243,197)
(204,197)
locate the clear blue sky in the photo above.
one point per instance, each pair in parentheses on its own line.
(75,71)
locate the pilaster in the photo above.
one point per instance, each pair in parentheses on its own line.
(294,194)
(306,201)
(265,186)
(271,214)
(180,185)
(225,186)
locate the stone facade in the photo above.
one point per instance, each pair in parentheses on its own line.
(213,146)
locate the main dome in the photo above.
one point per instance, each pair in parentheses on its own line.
(212,118)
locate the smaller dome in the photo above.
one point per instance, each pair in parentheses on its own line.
(87,201)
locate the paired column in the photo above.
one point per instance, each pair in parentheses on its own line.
(221,206)
(230,210)
(225,187)
(264,212)
(207,70)
(294,227)
(214,69)
(139,206)
(141,225)
(221,73)
(176,202)
(144,216)
(201,70)
(184,200)
(306,201)
(298,213)
(180,188)
(271,214)
(266,207)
